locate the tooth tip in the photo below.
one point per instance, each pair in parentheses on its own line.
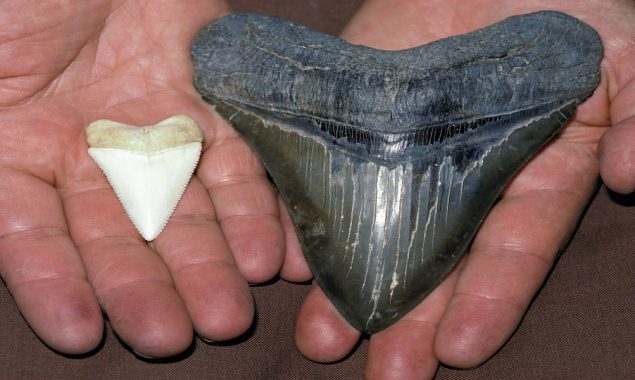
(149,235)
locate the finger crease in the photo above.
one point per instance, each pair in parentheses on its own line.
(110,241)
(193,219)
(236,180)
(246,217)
(36,233)
(422,322)
(510,250)
(521,308)
(214,263)
(48,278)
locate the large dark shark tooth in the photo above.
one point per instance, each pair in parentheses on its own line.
(389,161)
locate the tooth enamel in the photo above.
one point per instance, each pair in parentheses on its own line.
(148,167)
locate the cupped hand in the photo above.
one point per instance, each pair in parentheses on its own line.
(475,310)
(67,249)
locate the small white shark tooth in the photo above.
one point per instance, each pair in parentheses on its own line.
(148,167)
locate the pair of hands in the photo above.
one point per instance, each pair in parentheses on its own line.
(68,251)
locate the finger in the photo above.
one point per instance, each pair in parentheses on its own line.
(246,206)
(294,267)
(501,276)
(617,151)
(405,350)
(510,258)
(41,267)
(321,333)
(204,272)
(131,282)
(617,156)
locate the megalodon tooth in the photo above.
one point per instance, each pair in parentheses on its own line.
(148,167)
(388,161)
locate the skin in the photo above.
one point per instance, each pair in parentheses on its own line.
(477,308)
(68,252)
(67,249)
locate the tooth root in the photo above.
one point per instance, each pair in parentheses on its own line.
(389,161)
(147,167)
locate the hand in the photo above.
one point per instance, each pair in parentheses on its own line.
(475,310)
(66,246)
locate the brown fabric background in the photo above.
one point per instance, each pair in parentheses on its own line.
(580,326)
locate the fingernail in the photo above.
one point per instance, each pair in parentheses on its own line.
(206,340)
(144,356)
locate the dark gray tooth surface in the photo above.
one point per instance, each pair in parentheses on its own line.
(389,161)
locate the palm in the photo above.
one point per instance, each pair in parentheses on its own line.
(470,315)
(66,247)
